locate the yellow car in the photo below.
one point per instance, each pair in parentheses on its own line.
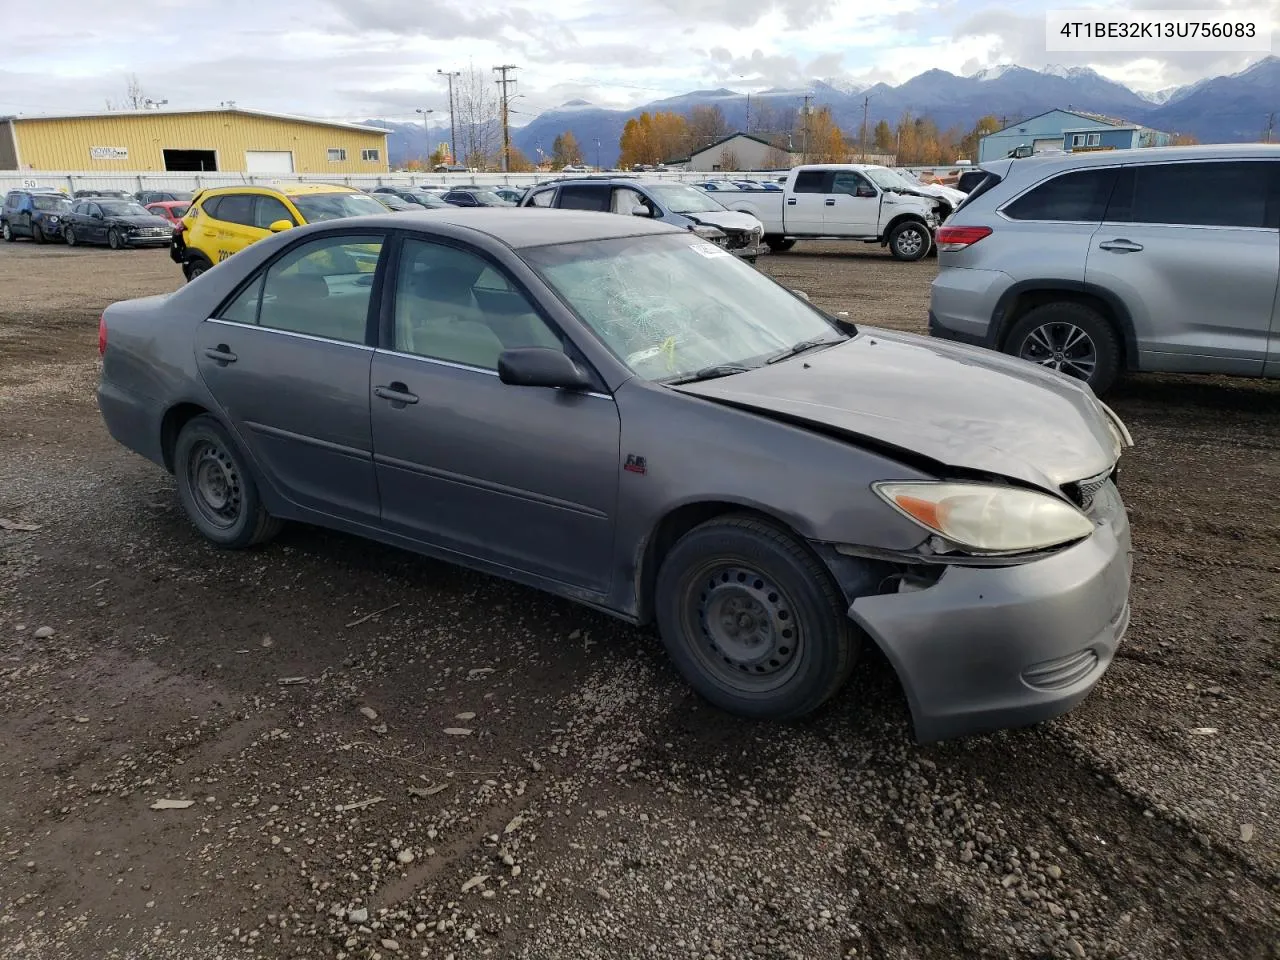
(222,221)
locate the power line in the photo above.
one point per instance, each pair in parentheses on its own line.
(504,82)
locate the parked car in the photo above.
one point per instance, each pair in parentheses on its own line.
(510,193)
(843,201)
(422,196)
(35,213)
(450,168)
(148,197)
(475,197)
(906,181)
(679,204)
(1092,264)
(613,411)
(117,223)
(712,186)
(575,168)
(104,194)
(222,221)
(755,185)
(395,203)
(171,210)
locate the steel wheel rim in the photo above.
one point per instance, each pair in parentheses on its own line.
(1061,346)
(742,626)
(910,241)
(215,484)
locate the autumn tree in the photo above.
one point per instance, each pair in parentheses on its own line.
(517,162)
(729,160)
(968,146)
(652,138)
(820,137)
(438,155)
(565,149)
(706,125)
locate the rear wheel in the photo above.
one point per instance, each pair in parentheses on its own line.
(1071,338)
(215,487)
(114,240)
(778,244)
(752,619)
(909,240)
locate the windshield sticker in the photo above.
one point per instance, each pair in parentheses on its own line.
(708,250)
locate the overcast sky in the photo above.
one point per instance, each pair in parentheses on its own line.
(378,58)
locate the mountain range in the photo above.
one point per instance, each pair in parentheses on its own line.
(1216,110)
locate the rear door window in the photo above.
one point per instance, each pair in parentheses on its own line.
(585,196)
(1077,197)
(1206,194)
(813,181)
(237,208)
(542,198)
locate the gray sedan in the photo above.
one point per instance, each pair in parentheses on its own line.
(619,412)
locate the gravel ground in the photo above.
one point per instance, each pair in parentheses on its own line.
(329,748)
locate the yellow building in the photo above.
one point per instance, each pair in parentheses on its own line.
(225,139)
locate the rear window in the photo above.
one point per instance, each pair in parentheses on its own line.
(1222,194)
(812,181)
(988,181)
(1080,196)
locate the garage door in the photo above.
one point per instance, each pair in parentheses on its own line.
(1047,144)
(268,161)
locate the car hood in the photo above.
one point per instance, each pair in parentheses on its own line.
(962,407)
(724,219)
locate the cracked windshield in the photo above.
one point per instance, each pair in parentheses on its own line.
(674,306)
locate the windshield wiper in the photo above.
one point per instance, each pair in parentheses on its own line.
(802,346)
(711,373)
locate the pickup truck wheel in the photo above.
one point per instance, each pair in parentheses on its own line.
(909,240)
(753,620)
(778,244)
(1070,338)
(215,487)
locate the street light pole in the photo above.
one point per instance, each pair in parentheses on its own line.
(866,101)
(426,134)
(453,138)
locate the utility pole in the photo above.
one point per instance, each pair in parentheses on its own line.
(453,140)
(804,137)
(866,102)
(748,130)
(597,154)
(1271,125)
(506,99)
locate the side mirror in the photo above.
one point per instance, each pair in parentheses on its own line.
(280,226)
(640,210)
(541,367)
(865,191)
(96,216)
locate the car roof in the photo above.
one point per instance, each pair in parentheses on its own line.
(520,227)
(1044,163)
(285,189)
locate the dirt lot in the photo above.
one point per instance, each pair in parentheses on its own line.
(302,697)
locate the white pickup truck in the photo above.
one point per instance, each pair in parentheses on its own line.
(842,201)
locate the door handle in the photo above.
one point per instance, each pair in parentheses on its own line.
(1120,246)
(791,202)
(397,393)
(221,353)
(830,201)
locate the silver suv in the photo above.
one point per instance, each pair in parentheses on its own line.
(1092,264)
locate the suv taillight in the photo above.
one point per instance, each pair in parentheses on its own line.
(951,239)
(102,335)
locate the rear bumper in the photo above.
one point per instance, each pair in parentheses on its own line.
(131,420)
(936,329)
(989,648)
(962,302)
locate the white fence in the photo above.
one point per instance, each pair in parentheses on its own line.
(71,181)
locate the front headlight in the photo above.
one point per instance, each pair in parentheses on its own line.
(708,232)
(985,518)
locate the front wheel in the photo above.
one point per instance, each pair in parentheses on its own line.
(752,619)
(778,244)
(216,489)
(7,231)
(1071,338)
(37,234)
(909,240)
(114,240)
(69,235)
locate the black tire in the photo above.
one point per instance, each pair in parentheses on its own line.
(1041,330)
(114,240)
(778,244)
(216,488)
(7,232)
(782,645)
(37,234)
(69,235)
(195,266)
(909,240)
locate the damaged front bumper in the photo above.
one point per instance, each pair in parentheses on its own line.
(987,648)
